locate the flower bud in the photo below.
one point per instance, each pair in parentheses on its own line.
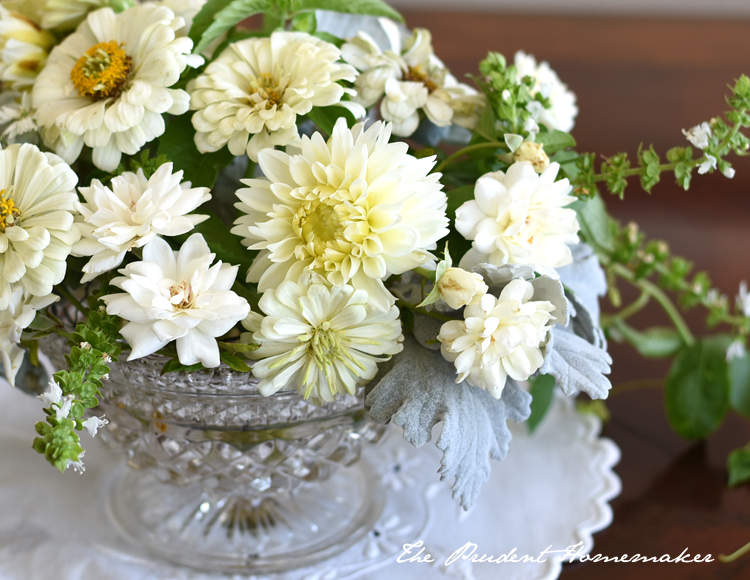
(534,153)
(459,288)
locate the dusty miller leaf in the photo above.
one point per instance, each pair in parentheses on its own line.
(585,277)
(419,392)
(577,365)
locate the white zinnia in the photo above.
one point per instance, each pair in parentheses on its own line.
(67,14)
(37,201)
(519,217)
(410,78)
(132,213)
(322,340)
(354,209)
(17,117)
(106,86)
(23,50)
(250,96)
(19,314)
(177,296)
(563,110)
(499,337)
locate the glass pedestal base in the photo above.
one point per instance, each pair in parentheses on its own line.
(247,531)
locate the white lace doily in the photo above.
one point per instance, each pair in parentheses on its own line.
(551,490)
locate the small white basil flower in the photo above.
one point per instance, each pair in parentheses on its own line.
(708,164)
(699,135)
(54,395)
(93,424)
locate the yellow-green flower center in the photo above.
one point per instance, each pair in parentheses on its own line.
(266,88)
(102,72)
(10,215)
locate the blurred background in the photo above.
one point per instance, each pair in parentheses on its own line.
(643,70)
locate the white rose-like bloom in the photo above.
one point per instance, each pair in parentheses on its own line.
(250,96)
(37,202)
(519,217)
(322,340)
(106,85)
(563,111)
(459,288)
(410,78)
(498,338)
(355,209)
(132,213)
(23,50)
(177,296)
(19,314)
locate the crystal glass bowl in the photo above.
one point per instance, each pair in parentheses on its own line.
(226,480)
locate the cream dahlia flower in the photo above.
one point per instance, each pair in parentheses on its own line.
(19,314)
(177,296)
(23,50)
(563,111)
(519,217)
(37,202)
(322,340)
(498,338)
(132,213)
(250,96)
(409,79)
(354,209)
(106,85)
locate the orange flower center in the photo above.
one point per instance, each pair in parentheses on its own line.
(102,72)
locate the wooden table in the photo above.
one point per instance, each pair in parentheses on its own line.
(643,81)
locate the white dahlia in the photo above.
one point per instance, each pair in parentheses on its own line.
(354,209)
(563,110)
(23,50)
(250,96)
(37,203)
(106,86)
(132,213)
(19,314)
(499,337)
(177,296)
(322,340)
(519,217)
(409,78)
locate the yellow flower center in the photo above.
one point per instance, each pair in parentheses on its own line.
(181,295)
(10,215)
(102,72)
(417,74)
(266,88)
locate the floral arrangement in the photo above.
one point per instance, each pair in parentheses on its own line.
(319,203)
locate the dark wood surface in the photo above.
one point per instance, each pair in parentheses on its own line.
(641,80)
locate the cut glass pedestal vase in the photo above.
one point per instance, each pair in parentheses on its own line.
(226,480)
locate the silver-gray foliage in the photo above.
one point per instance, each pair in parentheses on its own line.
(585,277)
(420,391)
(577,364)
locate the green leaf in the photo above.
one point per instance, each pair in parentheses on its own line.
(738,465)
(238,347)
(369,7)
(739,378)
(596,225)
(486,125)
(218,16)
(305,22)
(656,342)
(235,363)
(542,389)
(697,392)
(325,117)
(175,366)
(178,144)
(555,141)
